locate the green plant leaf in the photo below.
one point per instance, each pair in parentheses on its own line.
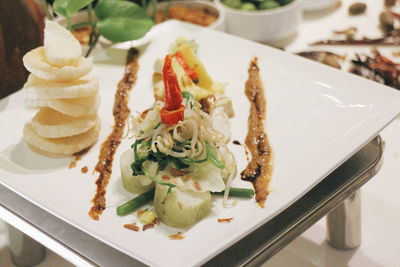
(117,9)
(67,8)
(121,29)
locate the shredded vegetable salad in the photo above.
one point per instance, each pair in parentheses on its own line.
(190,155)
(179,154)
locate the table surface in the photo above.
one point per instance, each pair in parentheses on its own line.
(380,197)
(376,193)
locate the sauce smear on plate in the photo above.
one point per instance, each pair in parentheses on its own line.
(121,112)
(259,169)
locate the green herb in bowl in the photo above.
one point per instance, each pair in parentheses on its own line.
(248,6)
(269,5)
(252,5)
(233,3)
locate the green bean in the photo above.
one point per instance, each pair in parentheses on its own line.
(137,202)
(134,204)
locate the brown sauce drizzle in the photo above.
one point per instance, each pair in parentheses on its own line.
(72,164)
(77,157)
(84,169)
(259,169)
(121,113)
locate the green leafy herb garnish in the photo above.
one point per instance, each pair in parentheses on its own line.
(187,95)
(214,158)
(178,163)
(154,179)
(188,160)
(137,165)
(162,159)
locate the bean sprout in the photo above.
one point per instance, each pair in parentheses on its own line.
(188,141)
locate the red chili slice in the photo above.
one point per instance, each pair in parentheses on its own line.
(172,95)
(170,117)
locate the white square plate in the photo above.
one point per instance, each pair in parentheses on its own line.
(317,117)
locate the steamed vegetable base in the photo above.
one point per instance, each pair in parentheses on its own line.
(187,160)
(178,208)
(136,184)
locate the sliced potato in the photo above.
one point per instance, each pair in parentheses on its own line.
(36,87)
(63,145)
(53,124)
(60,46)
(36,62)
(135,184)
(181,208)
(76,107)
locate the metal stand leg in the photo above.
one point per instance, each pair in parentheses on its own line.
(344,223)
(24,250)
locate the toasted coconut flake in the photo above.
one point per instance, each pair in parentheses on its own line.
(132,226)
(186,178)
(225,220)
(177,236)
(148,226)
(177,173)
(197,185)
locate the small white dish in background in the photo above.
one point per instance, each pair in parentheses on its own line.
(315,5)
(266,26)
(81,17)
(212,8)
(218,24)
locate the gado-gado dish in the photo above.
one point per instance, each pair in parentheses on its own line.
(67,99)
(180,149)
(290,89)
(179,155)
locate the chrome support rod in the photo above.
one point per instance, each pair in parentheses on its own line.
(344,224)
(24,250)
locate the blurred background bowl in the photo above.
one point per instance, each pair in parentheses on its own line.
(266,26)
(314,5)
(208,7)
